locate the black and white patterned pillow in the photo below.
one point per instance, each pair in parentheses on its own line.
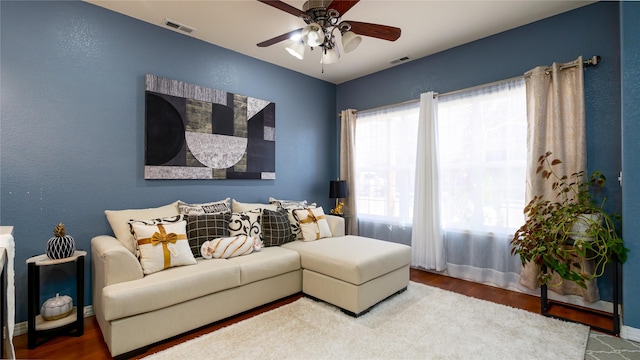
(201,228)
(293,220)
(246,223)
(276,228)
(288,204)
(215,207)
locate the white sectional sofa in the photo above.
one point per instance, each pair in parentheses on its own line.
(135,310)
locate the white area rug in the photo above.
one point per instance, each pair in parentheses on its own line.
(421,323)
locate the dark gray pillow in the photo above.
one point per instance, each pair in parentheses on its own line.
(201,228)
(276,228)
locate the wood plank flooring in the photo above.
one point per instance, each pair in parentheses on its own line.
(91,346)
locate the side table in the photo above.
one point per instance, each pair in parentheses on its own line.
(74,322)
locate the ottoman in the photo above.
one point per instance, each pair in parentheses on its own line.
(353,272)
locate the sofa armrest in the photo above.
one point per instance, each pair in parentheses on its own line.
(336,224)
(112,262)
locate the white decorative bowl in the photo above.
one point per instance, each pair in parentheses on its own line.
(57,307)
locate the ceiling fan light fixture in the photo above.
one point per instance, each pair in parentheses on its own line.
(313,35)
(296,49)
(350,41)
(330,56)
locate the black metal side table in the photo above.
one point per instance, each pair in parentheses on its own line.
(72,323)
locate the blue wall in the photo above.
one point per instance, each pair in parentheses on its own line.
(630,52)
(72,124)
(560,38)
(72,114)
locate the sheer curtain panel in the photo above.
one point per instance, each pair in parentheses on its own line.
(482,159)
(427,247)
(385,158)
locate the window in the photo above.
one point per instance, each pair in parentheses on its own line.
(482,158)
(385,159)
(482,148)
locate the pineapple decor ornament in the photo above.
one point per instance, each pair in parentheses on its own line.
(61,245)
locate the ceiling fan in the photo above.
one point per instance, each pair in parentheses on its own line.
(323,17)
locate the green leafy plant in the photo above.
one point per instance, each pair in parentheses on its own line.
(551,236)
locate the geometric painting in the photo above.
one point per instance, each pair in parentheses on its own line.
(193,132)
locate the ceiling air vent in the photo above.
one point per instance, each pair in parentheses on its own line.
(399,60)
(178,26)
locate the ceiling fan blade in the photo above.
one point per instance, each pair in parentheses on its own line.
(284,7)
(342,6)
(277,39)
(383,32)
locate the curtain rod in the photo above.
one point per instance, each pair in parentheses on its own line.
(384,106)
(592,61)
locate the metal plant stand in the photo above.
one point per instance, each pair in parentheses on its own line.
(546,304)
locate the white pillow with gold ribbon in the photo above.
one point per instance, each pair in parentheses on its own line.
(313,224)
(162,245)
(224,248)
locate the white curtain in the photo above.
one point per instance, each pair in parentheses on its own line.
(556,123)
(482,160)
(427,248)
(385,171)
(347,171)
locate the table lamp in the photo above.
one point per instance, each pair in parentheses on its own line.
(338,190)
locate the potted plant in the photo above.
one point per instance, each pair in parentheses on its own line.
(559,232)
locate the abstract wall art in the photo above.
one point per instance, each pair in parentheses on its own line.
(193,132)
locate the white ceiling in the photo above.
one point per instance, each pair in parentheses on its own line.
(428,27)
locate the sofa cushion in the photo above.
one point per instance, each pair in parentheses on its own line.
(169,287)
(215,207)
(266,263)
(162,244)
(353,259)
(119,221)
(239,207)
(276,228)
(201,228)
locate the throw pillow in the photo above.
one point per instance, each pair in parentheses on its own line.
(216,207)
(246,223)
(295,226)
(276,228)
(162,244)
(297,204)
(313,224)
(201,228)
(119,221)
(224,248)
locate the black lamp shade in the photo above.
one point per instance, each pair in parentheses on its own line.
(338,189)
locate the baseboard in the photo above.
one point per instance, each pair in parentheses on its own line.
(22,328)
(629,333)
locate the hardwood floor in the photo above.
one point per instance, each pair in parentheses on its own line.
(91,346)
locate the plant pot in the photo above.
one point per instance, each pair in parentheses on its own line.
(581,225)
